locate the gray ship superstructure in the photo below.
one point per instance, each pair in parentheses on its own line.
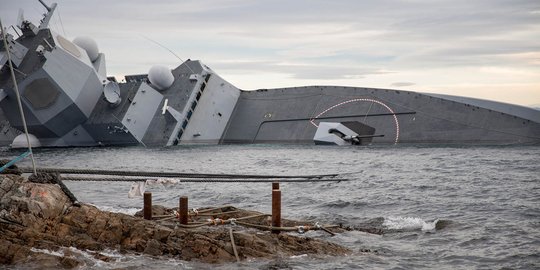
(68,100)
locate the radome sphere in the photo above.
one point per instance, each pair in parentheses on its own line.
(89,45)
(160,77)
(20,141)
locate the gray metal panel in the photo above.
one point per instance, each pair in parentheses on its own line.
(344,135)
(104,113)
(323,136)
(59,117)
(31,62)
(178,96)
(520,111)
(3,59)
(41,93)
(89,95)
(212,112)
(46,113)
(76,137)
(261,109)
(37,119)
(283,132)
(186,110)
(110,134)
(16,49)
(11,112)
(69,46)
(65,120)
(421,118)
(59,63)
(7,132)
(3,94)
(104,125)
(142,110)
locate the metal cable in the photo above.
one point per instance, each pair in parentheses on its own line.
(204,180)
(171,174)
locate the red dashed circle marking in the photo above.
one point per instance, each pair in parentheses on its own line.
(356,100)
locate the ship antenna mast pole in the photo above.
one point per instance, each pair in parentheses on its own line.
(18,96)
(162,46)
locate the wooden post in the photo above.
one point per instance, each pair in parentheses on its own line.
(147,209)
(275,185)
(276,209)
(183,210)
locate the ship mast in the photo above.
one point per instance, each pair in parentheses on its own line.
(47,17)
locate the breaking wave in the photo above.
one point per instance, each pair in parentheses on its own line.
(87,258)
(48,252)
(409,224)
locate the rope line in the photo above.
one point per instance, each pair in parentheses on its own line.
(299,229)
(15,160)
(241,221)
(237,221)
(234,245)
(215,222)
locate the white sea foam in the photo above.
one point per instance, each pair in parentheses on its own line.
(50,252)
(86,256)
(90,258)
(128,211)
(113,254)
(409,223)
(83,253)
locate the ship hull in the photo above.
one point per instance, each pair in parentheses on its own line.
(291,115)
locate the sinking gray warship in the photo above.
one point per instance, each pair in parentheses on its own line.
(68,100)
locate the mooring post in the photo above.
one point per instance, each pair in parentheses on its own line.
(183,210)
(275,185)
(276,209)
(147,209)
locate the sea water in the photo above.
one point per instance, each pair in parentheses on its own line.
(441,207)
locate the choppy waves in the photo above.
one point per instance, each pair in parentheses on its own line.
(436,207)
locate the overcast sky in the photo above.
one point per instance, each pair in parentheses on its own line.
(478,48)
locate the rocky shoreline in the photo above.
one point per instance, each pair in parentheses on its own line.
(37,216)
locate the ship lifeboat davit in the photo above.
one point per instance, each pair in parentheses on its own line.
(89,45)
(160,77)
(20,141)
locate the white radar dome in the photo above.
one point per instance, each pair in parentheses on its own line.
(160,77)
(20,141)
(89,45)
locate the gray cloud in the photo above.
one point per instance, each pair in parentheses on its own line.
(402,84)
(313,39)
(307,71)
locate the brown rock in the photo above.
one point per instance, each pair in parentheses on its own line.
(48,221)
(6,184)
(13,169)
(69,263)
(153,247)
(162,233)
